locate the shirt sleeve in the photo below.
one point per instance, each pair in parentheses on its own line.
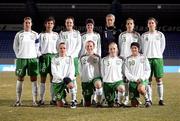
(71,69)
(16,45)
(102,68)
(37,43)
(99,45)
(78,45)
(163,43)
(147,70)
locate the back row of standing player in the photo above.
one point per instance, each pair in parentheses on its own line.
(27,44)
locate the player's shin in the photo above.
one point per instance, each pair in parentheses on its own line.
(19,87)
(99,93)
(160,89)
(34,91)
(42,91)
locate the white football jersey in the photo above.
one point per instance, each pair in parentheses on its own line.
(72,40)
(112,69)
(62,67)
(153,44)
(125,40)
(137,68)
(26,44)
(48,42)
(95,37)
(89,67)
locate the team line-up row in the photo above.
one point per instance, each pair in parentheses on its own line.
(93,56)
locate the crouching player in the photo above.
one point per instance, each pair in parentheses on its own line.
(111,70)
(62,68)
(137,71)
(90,75)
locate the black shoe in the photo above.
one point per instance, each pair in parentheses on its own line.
(98,105)
(41,102)
(73,104)
(161,102)
(148,104)
(17,104)
(52,102)
(93,102)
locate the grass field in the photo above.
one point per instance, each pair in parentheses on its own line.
(169,112)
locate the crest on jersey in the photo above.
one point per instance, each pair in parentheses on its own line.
(84,61)
(65,37)
(44,38)
(132,62)
(123,38)
(146,38)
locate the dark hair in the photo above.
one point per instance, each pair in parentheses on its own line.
(152,18)
(70,17)
(89,20)
(135,44)
(51,18)
(129,19)
(28,18)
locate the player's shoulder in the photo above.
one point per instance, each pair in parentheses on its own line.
(20,32)
(76,31)
(55,33)
(160,33)
(84,34)
(33,32)
(136,33)
(145,33)
(123,33)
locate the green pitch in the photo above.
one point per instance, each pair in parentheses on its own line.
(169,112)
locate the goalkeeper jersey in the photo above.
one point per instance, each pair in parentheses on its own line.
(125,40)
(72,40)
(48,42)
(153,44)
(62,67)
(95,37)
(89,67)
(26,44)
(137,68)
(111,69)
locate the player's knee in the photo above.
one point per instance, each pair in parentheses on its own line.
(43,79)
(33,78)
(159,80)
(70,85)
(121,88)
(20,78)
(141,90)
(98,84)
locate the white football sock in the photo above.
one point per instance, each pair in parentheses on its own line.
(149,91)
(42,91)
(126,91)
(73,94)
(19,87)
(160,90)
(34,90)
(99,93)
(52,92)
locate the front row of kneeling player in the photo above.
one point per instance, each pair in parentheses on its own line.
(105,76)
